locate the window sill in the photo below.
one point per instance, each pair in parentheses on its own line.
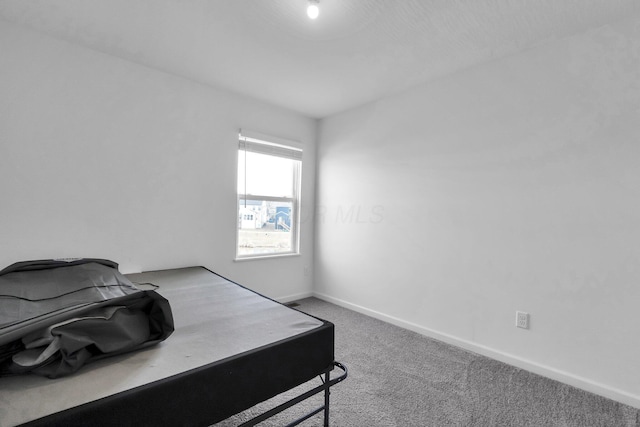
(262,257)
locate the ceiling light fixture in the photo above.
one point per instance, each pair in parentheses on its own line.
(312,10)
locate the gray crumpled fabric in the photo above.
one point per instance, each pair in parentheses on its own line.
(54,320)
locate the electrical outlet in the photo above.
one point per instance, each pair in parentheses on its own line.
(522,319)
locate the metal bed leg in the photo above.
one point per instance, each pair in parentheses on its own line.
(327,392)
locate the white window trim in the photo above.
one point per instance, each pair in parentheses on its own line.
(252,136)
(261,143)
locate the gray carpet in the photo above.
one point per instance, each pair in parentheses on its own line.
(400,378)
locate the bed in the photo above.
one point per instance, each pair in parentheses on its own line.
(232,348)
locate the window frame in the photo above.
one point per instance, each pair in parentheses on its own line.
(275,147)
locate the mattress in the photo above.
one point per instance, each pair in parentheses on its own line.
(232,348)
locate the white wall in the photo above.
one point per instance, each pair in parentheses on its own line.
(100,157)
(511,186)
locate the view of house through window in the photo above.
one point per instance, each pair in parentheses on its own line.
(268,195)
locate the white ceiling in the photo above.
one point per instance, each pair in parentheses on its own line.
(355,52)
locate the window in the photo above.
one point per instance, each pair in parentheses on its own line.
(268,198)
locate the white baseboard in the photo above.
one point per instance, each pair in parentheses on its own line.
(293,297)
(531,366)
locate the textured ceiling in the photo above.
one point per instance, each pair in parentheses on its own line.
(355,52)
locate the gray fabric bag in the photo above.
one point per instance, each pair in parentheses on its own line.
(56,316)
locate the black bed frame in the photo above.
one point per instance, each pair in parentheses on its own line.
(327,383)
(165,402)
(101,413)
